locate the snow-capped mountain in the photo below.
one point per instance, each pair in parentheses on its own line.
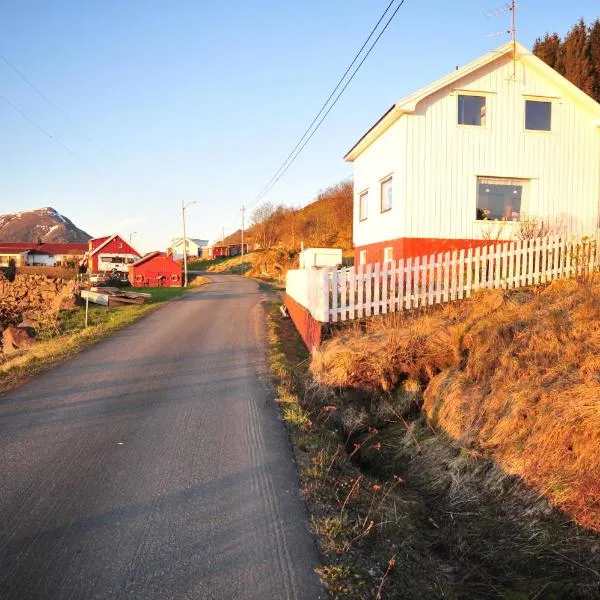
(43,224)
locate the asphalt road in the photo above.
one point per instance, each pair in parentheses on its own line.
(154,465)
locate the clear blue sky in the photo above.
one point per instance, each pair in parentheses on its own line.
(200,100)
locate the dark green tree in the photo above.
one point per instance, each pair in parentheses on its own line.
(594,38)
(576,58)
(548,49)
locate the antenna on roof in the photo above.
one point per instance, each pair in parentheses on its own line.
(510,7)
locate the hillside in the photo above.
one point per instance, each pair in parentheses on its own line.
(327,221)
(511,375)
(43,224)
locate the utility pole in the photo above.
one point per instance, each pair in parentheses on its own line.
(185,270)
(243,210)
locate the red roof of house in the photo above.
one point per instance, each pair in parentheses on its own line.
(49,248)
(149,256)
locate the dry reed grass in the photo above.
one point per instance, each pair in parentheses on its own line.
(516,374)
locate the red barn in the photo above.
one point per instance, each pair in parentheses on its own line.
(156,269)
(110,254)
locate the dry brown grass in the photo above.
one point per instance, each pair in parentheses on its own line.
(516,374)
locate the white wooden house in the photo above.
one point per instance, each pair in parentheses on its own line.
(193,247)
(471,156)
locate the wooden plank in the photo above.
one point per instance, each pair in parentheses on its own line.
(446,290)
(543,249)
(360,299)
(408,277)
(477,269)
(401,282)
(536,261)
(484,266)
(431,299)
(461,274)
(452,269)
(469,267)
(504,266)
(439,280)
(343,294)
(424,265)
(385,273)
(497,265)
(377,289)
(95,297)
(530,256)
(333,288)
(416,281)
(352,293)
(368,291)
(392,289)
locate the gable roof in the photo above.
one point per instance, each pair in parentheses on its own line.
(408,104)
(150,256)
(107,241)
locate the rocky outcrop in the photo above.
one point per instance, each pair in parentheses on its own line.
(17,338)
(31,300)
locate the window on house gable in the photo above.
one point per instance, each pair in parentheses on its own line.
(386,194)
(538,115)
(362,257)
(471,110)
(499,199)
(388,254)
(364,206)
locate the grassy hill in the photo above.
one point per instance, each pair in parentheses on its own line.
(327,221)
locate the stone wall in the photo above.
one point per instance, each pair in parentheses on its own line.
(32,297)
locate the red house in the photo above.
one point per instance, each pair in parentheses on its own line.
(110,254)
(156,269)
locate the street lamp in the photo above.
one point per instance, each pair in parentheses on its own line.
(185,271)
(131,235)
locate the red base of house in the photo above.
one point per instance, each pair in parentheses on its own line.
(411,247)
(308,327)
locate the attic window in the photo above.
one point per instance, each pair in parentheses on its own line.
(538,115)
(471,110)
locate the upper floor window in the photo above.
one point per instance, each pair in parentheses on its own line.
(363,206)
(538,115)
(386,194)
(499,199)
(471,110)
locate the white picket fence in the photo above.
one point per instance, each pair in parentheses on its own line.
(368,290)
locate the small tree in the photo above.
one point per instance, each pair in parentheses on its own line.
(259,219)
(11,270)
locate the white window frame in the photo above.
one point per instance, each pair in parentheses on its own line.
(525,183)
(362,257)
(527,99)
(479,94)
(387,179)
(388,254)
(363,194)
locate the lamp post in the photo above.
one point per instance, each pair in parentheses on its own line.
(131,235)
(185,271)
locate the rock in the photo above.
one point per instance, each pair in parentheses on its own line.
(17,338)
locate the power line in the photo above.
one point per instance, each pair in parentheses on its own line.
(36,89)
(335,89)
(27,118)
(308,134)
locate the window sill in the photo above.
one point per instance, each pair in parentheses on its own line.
(386,210)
